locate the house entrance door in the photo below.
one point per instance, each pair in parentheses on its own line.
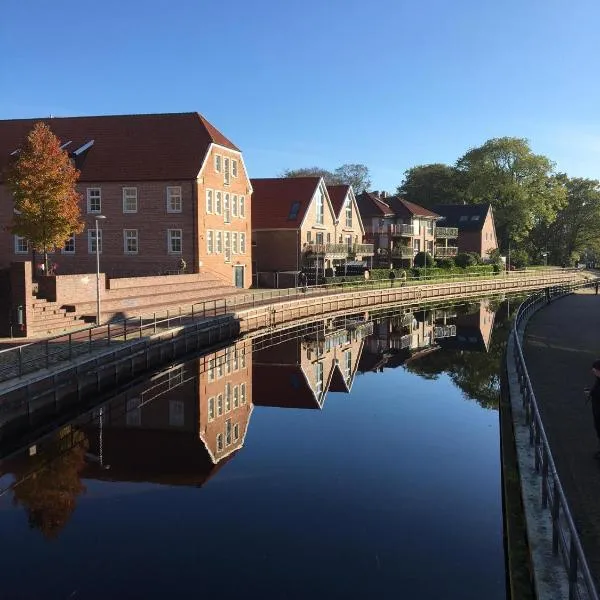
(239,277)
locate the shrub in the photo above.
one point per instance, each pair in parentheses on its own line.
(422,259)
(445,263)
(465,259)
(519,259)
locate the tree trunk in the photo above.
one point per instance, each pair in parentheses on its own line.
(45,261)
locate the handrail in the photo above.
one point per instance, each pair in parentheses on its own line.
(564,533)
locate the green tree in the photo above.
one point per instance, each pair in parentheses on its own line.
(432,184)
(42,181)
(356,175)
(423,259)
(520,185)
(329,177)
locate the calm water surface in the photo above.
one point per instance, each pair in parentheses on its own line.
(354,459)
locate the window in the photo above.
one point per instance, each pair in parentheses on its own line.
(174,237)
(176,377)
(69,247)
(320,208)
(348,211)
(176,413)
(219,242)
(21,245)
(475,218)
(227,208)
(242,207)
(227,173)
(219,369)
(219,405)
(319,237)
(211,409)
(234,170)
(130,241)
(219,442)
(218,163)
(94,200)
(417,246)
(308,237)
(243,359)
(234,205)
(228,398)
(210,242)
(130,200)
(294,209)
(328,238)
(234,242)
(211,369)
(347,364)
(464,218)
(227,244)
(242,243)
(174,204)
(209,201)
(228,432)
(218,203)
(236,432)
(92,241)
(319,377)
(133,416)
(236,397)
(430,227)
(243,393)
(236,362)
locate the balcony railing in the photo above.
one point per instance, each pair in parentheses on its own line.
(338,250)
(444,331)
(363,249)
(446,232)
(445,251)
(403,230)
(403,252)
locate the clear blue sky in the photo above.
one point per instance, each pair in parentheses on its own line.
(388,83)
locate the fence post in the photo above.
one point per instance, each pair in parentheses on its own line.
(90,339)
(20,361)
(125,330)
(108,332)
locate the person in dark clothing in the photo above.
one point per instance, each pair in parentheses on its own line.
(594,395)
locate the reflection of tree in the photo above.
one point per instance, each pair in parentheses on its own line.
(47,488)
(476,374)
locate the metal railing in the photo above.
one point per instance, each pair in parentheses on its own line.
(565,538)
(406,230)
(363,249)
(328,249)
(443,251)
(446,232)
(403,252)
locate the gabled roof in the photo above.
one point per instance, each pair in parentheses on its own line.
(281,202)
(158,147)
(282,386)
(337,195)
(369,205)
(467,217)
(403,207)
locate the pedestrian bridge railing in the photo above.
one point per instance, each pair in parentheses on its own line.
(565,539)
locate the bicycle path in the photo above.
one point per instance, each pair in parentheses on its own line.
(561,342)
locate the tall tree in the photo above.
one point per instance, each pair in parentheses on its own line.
(42,180)
(356,175)
(329,177)
(431,184)
(520,185)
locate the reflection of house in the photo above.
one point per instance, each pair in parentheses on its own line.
(299,372)
(473,330)
(179,427)
(475,224)
(400,229)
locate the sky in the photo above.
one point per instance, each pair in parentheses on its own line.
(387,83)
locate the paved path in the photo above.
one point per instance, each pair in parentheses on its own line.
(562,340)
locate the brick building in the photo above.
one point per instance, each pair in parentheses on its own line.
(171,187)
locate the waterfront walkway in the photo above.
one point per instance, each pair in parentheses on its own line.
(561,342)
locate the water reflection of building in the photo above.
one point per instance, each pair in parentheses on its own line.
(299,372)
(179,427)
(473,330)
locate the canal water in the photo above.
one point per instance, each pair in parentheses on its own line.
(349,458)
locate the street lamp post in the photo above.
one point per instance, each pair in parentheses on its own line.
(98,217)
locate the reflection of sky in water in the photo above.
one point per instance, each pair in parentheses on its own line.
(390,491)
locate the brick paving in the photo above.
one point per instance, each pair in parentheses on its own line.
(561,342)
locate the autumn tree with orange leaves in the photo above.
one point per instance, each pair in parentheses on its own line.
(42,180)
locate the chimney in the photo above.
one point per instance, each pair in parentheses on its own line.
(383,194)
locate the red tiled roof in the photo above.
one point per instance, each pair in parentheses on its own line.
(273,199)
(337,195)
(371,206)
(283,386)
(159,147)
(399,205)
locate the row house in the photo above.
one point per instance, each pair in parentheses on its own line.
(400,229)
(296,225)
(160,187)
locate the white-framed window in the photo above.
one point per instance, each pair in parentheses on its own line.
(130,200)
(21,245)
(242,207)
(176,413)
(308,237)
(218,203)
(92,241)
(243,359)
(94,200)
(236,432)
(228,398)
(228,432)
(236,361)
(234,242)
(242,243)
(227,208)
(236,397)
(226,171)
(234,205)
(219,368)
(174,201)
(227,245)
(319,377)
(348,211)
(347,364)
(219,405)
(133,416)
(211,369)
(174,241)
(218,163)
(211,409)
(219,442)
(219,242)
(234,170)
(69,246)
(130,241)
(209,202)
(320,209)
(210,242)
(242,393)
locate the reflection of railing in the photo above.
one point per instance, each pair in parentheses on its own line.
(406,230)
(446,232)
(401,343)
(565,539)
(446,251)
(444,331)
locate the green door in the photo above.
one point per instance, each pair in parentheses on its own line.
(239,277)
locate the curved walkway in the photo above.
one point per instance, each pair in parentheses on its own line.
(561,342)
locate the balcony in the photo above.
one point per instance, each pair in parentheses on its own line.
(401,230)
(446,232)
(330,250)
(444,331)
(362,250)
(445,251)
(402,252)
